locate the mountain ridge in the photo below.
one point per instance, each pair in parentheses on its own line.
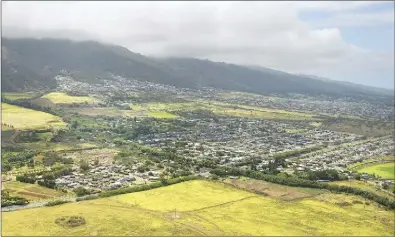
(31,63)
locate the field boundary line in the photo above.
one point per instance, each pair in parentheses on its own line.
(221,204)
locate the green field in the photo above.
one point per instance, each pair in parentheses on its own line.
(384,170)
(26,119)
(30,191)
(63,98)
(205,208)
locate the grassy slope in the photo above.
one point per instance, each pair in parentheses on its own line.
(25,119)
(63,98)
(205,208)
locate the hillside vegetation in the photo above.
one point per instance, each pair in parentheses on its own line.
(203,208)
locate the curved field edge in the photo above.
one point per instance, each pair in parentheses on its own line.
(29,119)
(169,211)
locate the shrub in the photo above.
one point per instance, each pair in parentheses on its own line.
(7,200)
(80,191)
(26,179)
(56,202)
(91,197)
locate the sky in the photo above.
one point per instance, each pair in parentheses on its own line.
(347,41)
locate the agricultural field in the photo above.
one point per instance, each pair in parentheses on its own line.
(204,208)
(19,95)
(222,109)
(384,170)
(63,98)
(161,115)
(30,191)
(108,111)
(28,119)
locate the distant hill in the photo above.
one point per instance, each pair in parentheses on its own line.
(29,63)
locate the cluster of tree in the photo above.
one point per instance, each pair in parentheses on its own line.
(50,158)
(84,165)
(7,125)
(27,136)
(140,129)
(76,93)
(198,113)
(153,154)
(17,160)
(7,200)
(26,178)
(80,191)
(207,163)
(329,174)
(58,136)
(297,182)
(48,179)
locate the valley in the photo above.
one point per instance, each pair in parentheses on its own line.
(90,150)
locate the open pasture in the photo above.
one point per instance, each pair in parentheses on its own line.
(206,208)
(63,98)
(28,119)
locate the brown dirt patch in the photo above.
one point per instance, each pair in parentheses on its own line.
(70,221)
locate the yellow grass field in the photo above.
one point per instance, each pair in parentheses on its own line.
(205,208)
(25,119)
(63,98)
(30,191)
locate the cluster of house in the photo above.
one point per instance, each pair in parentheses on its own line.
(236,139)
(105,177)
(310,104)
(345,156)
(315,105)
(233,140)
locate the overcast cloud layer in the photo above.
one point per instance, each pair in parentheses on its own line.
(268,34)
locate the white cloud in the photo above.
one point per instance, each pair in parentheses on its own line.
(263,33)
